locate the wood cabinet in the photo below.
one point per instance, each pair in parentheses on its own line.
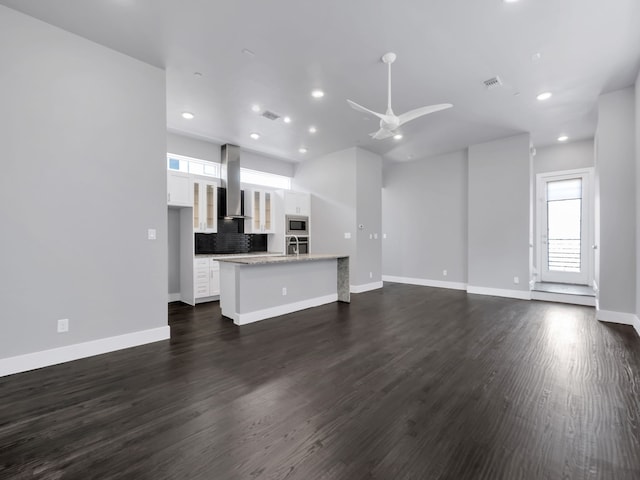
(179,189)
(260,207)
(297,203)
(205,206)
(206,277)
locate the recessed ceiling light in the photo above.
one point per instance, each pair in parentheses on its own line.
(255,108)
(188,115)
(255,136)
(544,96)
(302,150)
(563,138)
(510,1)
(397,136)
(317,93)
(286,119)
(312,129)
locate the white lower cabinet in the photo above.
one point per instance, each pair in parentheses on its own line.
(206,278)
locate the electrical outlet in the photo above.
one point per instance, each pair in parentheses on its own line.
(151,234)
(516,280)
(371,236)
(347,235)
(370,274)
(375,236)
(384,235)
(444,273)
(284,291)
(63,325)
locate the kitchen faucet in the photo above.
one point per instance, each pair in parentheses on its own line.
(297,249)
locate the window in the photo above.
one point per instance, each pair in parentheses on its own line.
(196,166)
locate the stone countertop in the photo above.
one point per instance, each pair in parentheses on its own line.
(266,259)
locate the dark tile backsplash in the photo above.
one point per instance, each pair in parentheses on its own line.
(208,243)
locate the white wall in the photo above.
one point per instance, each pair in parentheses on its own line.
(564,156)
(173,250)
(637,119)
(346,188)
(331,179)
(499,206)
(369,215)
(615,167)
(83,135)
(424,211)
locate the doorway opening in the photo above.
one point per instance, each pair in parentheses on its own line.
(564,212)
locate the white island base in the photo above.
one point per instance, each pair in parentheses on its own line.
(257,288)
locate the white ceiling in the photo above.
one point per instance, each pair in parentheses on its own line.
(445,48)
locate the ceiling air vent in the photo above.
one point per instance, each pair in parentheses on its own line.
(494,82)
(270,115)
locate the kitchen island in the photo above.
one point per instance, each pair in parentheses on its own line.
(260,287)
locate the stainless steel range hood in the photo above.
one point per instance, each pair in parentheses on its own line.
(230,177)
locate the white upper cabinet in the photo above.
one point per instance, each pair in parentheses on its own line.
(260,207)
(297,203)
(179,189)
(205,206)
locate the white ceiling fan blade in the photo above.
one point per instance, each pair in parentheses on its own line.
(419,112)
(360,108)
(381,134)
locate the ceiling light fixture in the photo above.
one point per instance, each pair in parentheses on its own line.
(563,138)
(188,115)
(255,136)
(313,129)
(317,93)
(544,96)
(255,108)
(510,1)
(286,119)
(302,150)
(397,136)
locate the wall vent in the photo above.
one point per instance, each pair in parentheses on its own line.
(494,82)
(270,115)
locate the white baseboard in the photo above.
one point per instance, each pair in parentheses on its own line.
(425,282)
(174,297)
(213,298)
(623,318)
(365,288)
(560,298)
(46,358)
(499,292)
(250,317)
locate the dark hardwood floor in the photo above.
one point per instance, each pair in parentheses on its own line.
(405,382)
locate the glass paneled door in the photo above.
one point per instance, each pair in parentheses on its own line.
(564,229)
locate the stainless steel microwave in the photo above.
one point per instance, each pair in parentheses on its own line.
(297,225)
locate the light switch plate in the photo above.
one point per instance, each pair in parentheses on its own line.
(151,234)
(347,235)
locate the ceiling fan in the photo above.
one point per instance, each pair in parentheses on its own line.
(389,121)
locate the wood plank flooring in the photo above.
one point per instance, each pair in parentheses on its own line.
(406,382)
